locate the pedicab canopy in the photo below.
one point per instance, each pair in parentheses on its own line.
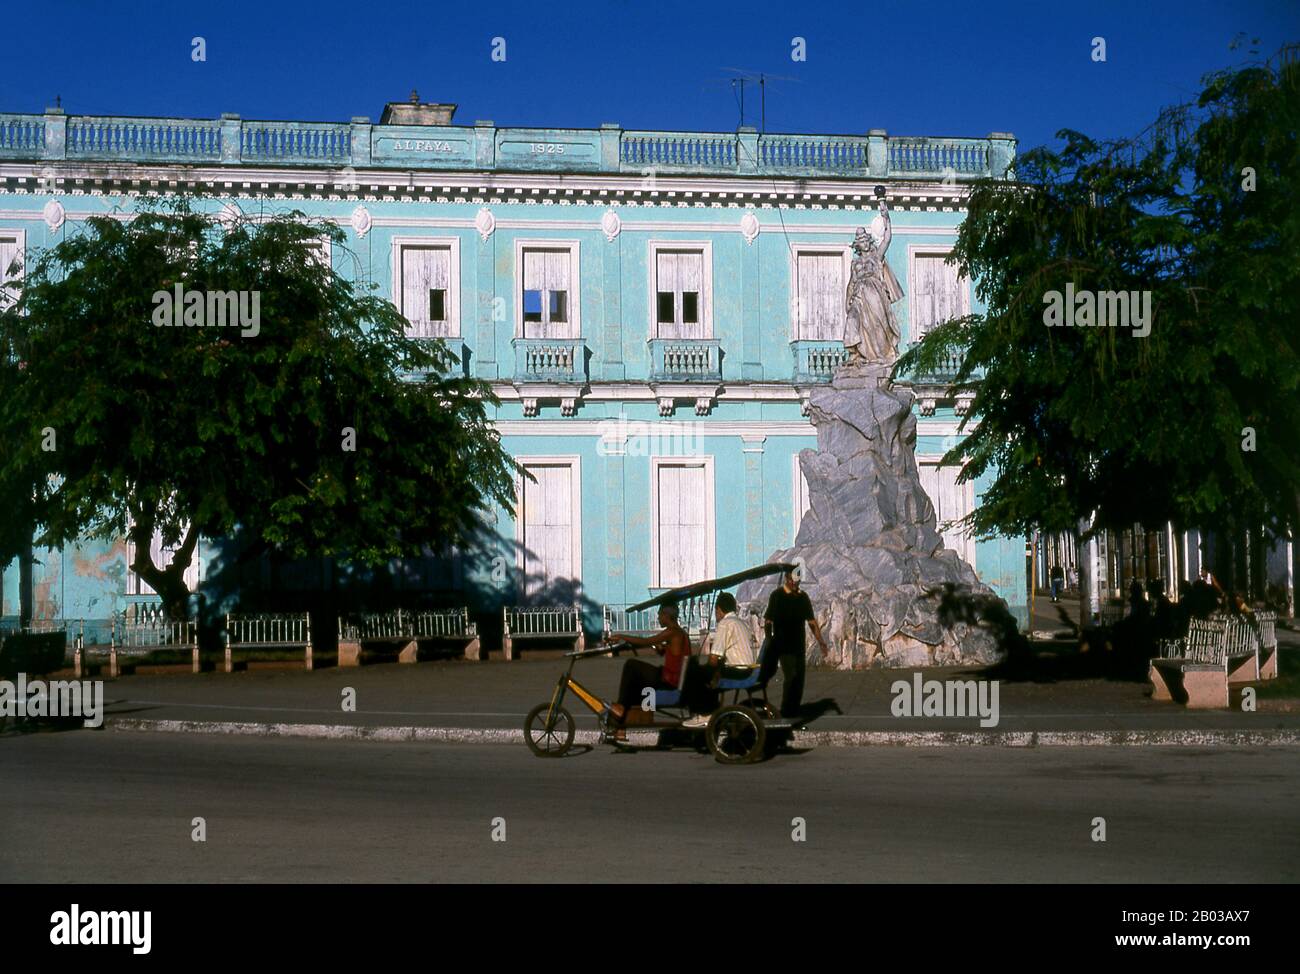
(697,589)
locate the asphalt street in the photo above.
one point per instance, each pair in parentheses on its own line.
(118,807)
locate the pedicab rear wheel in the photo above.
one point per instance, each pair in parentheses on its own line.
(736,735)
(552,741)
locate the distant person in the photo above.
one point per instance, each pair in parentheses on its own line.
(788,611)
(730,656)
(1057,576)
(1163,623)
(1074,579)
(1138,608)
(1240,606)
(674,645)
(1203,598)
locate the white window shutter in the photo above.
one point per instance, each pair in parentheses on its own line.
(666,273)
(534,270)
(557,270)
(691,278)
(923,298)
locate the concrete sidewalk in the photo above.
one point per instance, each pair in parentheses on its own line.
(454,699)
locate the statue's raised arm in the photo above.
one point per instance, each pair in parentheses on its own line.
(888,235)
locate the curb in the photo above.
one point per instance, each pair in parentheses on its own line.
(470,735)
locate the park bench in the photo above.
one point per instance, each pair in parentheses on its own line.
(406,629)
(1199,669)
(139,632)
(32,653)
(246,633)
(547,622)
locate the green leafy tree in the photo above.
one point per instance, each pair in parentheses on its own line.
(319,429)
(1202,210)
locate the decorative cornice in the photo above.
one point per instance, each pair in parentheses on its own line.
(77,177)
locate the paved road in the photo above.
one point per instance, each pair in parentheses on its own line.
(479,695)
(118,807)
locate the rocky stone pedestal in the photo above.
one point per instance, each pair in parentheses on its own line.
(886,591)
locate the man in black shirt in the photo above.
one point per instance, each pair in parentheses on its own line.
(788,609)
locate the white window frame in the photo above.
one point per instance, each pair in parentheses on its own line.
(452,244)
(575,280)
(710,508)
(967,553)
(931,250)
(846,256)
(20,240)
(705,247)
(574,462)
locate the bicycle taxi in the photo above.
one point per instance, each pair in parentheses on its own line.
(736,732)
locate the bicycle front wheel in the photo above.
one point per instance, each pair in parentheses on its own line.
(549,730)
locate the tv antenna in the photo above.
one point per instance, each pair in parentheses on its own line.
(743,76)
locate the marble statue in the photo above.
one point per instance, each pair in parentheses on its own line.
(871,330)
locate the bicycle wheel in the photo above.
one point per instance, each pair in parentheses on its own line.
(549,733)
(736,735)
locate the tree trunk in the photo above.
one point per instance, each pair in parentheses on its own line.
(168,582)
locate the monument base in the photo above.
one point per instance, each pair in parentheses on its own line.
(886,591)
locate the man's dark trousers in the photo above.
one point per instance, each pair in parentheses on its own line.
(794,665)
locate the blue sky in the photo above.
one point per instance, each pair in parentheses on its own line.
(912,68)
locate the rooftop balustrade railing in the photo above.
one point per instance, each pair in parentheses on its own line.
(230,140)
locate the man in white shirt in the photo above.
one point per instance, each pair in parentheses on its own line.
(730,656)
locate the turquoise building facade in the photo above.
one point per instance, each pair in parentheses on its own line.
(652,309)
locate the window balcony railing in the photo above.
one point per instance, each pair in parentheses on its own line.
(685,360)
(456,368)
(816,361)
(550,359)
(944,374)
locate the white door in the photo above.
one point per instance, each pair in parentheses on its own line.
(683,528)
(549,557)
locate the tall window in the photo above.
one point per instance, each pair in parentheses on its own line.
(548,291)
(952,501)
(819,293)
(428,289)
(679,289)
(683,521)
(12,246)
(938,293)
(549,532)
